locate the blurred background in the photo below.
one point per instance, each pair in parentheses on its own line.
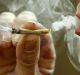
(48,11)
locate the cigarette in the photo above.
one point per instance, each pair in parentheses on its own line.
(28,31)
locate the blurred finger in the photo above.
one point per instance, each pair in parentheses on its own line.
(27,53)
(7,50)
(47,55)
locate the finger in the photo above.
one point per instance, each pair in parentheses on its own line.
(27,52)
(6,69)
(78,10)
(7,50)
(47,55)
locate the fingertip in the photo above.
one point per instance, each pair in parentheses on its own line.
(30,25)
(33,26)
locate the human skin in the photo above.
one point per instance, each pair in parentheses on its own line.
(77,31)
(75,2)
(30,54)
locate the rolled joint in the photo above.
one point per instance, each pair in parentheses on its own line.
(27,31)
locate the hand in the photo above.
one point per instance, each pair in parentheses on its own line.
(32,55)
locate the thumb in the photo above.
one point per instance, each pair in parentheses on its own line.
(27,52)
